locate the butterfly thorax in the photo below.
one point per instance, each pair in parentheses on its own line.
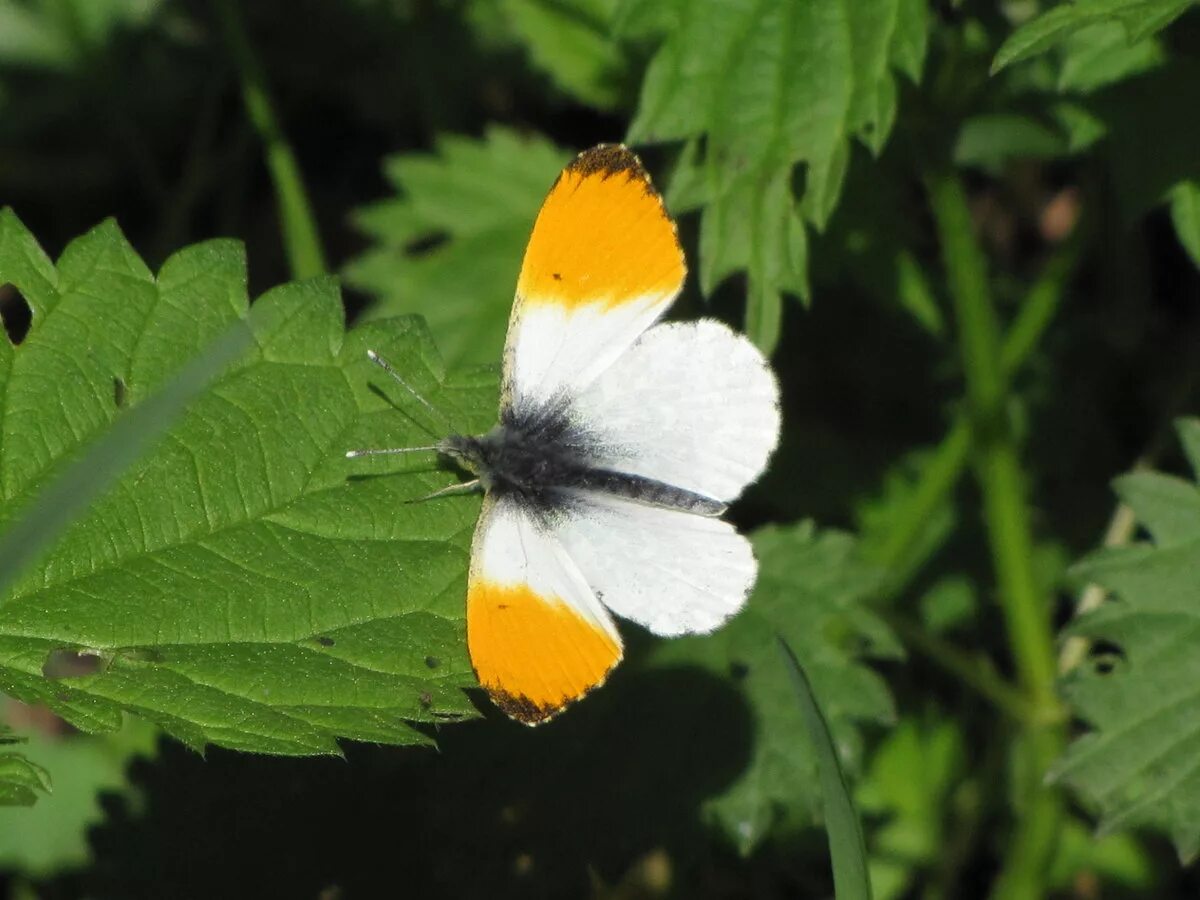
(544,462)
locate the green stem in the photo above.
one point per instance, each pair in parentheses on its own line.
(949,461)
(1010,535)
(301,240)
(975,672)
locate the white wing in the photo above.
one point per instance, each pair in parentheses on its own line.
(694,405)
(673,572)
(602,264)
(538,637)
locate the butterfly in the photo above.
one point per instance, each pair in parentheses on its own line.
(619,445)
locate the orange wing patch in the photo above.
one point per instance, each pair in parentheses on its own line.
(533,655)
(602,236)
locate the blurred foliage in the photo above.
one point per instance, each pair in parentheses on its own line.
(52,836)
(450,246)
(20,778)
(261,593)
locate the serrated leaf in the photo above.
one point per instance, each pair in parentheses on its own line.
(474,202)
(21,779)
(1138,765)
(1185,215)
(1140,18)
(570,40)
(52,836)
(809,590)
(771,86)
(243,583)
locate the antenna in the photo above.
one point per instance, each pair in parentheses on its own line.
(387,367)
(354,454)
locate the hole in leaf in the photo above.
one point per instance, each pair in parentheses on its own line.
(432,662)
(72,663)
(1105,657)
(120,391)
(15,311)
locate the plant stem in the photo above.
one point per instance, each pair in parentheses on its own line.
(949,461)
(301,240)
(975,672)
(1007,520)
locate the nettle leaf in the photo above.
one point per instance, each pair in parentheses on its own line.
(243,583)
(572,43)
(21,780)
(53,836)
(1140,691)
(768,87)
(450,246)
(810,588)
(1140,19)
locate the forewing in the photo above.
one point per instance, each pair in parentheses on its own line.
(690,404)
(603,262)
(537,636)
(673,572)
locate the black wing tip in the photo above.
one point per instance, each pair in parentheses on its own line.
(607,160)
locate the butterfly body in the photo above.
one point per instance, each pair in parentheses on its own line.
(545,464)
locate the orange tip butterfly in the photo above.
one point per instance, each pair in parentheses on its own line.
(620,444)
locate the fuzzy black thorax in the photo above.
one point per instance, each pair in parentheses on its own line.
(545,462)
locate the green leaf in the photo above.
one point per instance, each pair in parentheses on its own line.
(1138,764)
(243,583)
(1099,55)
(1185,214)
(450,247)
(810,588)
(1140,18)
(1116,858)
(991,139)
(846,848)
(60,34)
(53,836)
(771,86)
(570,41)
(21,780)
(907,787)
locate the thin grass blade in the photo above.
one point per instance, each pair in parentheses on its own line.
(68,495)
(846,847)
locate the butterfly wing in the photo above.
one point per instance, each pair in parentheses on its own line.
(537,636)
(691,404)
(673,572)
(602,264)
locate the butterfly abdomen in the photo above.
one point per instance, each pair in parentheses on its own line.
(548,464)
